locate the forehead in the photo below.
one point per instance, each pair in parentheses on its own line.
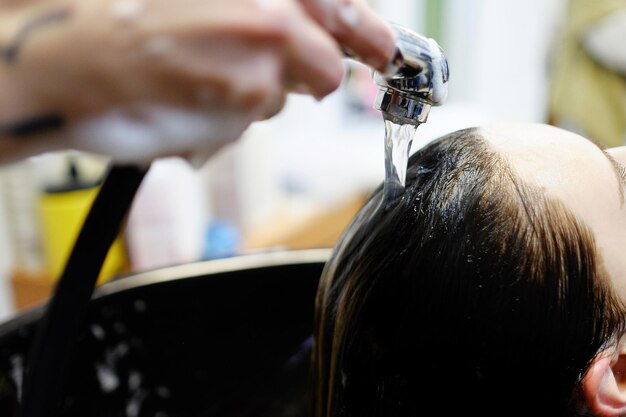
(551,158)
(569,167)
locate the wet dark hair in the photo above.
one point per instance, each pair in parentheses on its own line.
(472,293)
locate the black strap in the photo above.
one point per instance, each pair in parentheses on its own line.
(51,350)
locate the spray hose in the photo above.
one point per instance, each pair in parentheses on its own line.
(64,316)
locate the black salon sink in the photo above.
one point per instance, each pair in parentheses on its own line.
(221,338)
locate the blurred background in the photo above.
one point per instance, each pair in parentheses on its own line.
(296,180)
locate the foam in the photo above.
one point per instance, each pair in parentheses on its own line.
(145,132)
(126,10)
(159,45)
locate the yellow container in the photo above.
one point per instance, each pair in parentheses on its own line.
(62,215)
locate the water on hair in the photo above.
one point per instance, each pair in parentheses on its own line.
(398,140)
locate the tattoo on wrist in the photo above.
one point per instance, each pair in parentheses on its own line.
(11,52)
(32,126)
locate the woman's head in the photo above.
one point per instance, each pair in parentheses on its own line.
(494,284)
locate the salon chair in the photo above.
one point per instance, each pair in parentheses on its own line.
(228,337)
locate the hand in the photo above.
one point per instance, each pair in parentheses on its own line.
(145,78)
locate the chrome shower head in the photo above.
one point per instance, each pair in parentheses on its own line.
(417,79)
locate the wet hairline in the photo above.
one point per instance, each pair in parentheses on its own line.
(560,207)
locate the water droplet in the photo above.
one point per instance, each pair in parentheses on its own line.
(107,377)
(119,327)
(98,332)
(17,372)
(163,392)
(423,170)
(134,380)
(140,305)
(132,408)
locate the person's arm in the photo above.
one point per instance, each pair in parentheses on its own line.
(26,127)
(141,79)
(15,100)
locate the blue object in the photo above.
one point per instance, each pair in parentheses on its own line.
(222,240)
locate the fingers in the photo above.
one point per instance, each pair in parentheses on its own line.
(309,58)
(356,27)
(314,61)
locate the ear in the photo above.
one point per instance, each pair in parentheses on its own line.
(618,153)
(604,385)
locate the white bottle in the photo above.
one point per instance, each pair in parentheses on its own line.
(168,219)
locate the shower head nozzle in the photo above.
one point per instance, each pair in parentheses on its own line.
(416,80)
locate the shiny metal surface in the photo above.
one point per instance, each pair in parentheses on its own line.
(416,79)
(238,263)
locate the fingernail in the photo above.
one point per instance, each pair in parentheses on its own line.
(348,13)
